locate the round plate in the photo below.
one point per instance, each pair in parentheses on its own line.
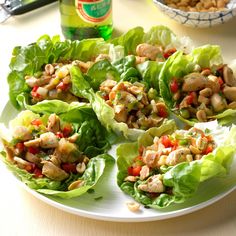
(108,202)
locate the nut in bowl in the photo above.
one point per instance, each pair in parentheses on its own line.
(195,13)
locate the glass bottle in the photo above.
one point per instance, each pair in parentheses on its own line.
(86,18)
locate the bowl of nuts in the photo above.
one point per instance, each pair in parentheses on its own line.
(198,13)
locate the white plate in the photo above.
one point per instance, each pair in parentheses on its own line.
(111,205)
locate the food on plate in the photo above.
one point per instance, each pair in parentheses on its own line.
(131,86)
(57,154)
(41,70)
(198,90)
(132,104)
(167,165)
(198,5)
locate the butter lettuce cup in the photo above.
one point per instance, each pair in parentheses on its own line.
(199,87)
(59,153)
(41,70)
(166,165)
(124,93)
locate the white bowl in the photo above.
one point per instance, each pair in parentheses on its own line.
(198,19)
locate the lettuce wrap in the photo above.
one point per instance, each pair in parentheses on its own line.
(198,87)
(55,152)
(32,66)
(150,172)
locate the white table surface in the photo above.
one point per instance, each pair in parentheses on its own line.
(23,214)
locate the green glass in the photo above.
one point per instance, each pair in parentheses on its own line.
(86,19)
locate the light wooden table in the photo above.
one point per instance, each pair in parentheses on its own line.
(23,214)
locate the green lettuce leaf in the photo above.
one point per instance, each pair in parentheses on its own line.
(178,65)
(92,174)
(28,60)
(94,141)
(184,178)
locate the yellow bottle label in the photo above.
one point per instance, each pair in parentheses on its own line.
(94,11)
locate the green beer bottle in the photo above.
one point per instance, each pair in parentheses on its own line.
(86,18)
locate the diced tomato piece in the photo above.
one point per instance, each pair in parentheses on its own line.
(162,112)
(190,98)
(38,173)
(36,122)
(33,150)
(209,149)
(169,52)
(220,81)
(62,86)
(30,167)
(34,92)
(134,170)
(166,141)
(174,86)
(59,135)
(20,147)
(67,130)
(130,170)
(35,88)
(69,167)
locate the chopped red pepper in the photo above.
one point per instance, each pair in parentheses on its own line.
(169,52)
(174,87)
(35,88)
(162,112)
(67,130)
(220,81)
(33,150)
(190,98)
(59,135)
(34,92)
(166,141)
(69,167)
(36,122)
(20,147)
(209,149)
(134,170)
(38,173)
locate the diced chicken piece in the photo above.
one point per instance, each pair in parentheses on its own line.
(53,123)
(149,51)
(23,164)
(150,158)
(144,173)
(229,76)
(218,103)
(33,143)
(194,82)
(32,158)
(33,81)
(121,113)
(177,156)
(230,93)
(68,152)
(53,172)
(48,140)
(154,184)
